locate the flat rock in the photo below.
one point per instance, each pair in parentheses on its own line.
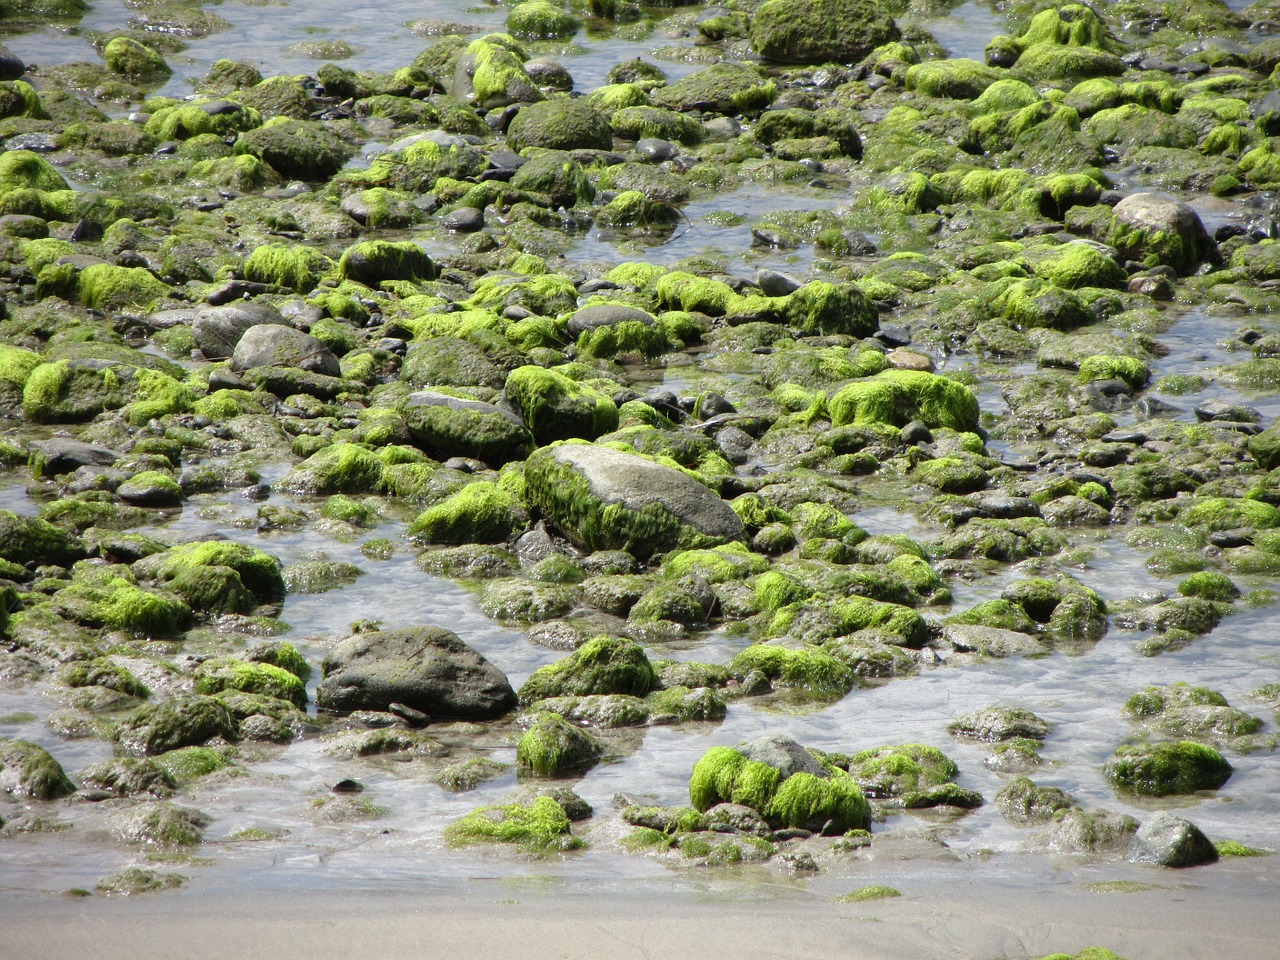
(606,315)
(425,668)
(59,455)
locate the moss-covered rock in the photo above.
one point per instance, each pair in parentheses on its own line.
(30,540)
(230,673)
(135,60)
(958,79)
(539,826)
(27,770)
(372,261)
(293,266)
(541,20)
(1160,769)
(727,88)
(446,426)
(994,724)
(554,407)
(817,31)
(603,665)
(604,499)
(256,571)
(897,397)
(297,149)
(184,721)
(340,468)
(1182,710)
(553,747)
(1021,801)
(560,124)
(808,669)
(481,512)
(129,777)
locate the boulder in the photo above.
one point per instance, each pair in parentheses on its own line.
(560,125)
(817,31)
(604,499)
(1170,841)
(217,330)
(426,668)
(447,427)
(27,770)
(276,345)
(783,754)
(1156,231)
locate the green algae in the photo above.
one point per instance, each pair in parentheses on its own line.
(540,826)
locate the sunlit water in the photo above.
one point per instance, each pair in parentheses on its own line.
(1080,695)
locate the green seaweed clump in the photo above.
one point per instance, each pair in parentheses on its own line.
(222,674)
(540,826)
(554,747)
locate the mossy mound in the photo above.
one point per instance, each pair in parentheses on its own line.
(555,407)
(222,674)
(553,747)
(540,826)
(27,770)
(1182,710)
(897,397)
(602,665)
(1161,769)
(481,512)
(257,572)
(185,721)
(807,669)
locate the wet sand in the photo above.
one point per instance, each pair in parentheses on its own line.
(1230,913)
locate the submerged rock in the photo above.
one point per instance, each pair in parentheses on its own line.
(426,668)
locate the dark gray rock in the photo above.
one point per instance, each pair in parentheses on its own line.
(217,329)
(12,66)
(776,284)
(59,455)
(446,426)
(463,220)
(1170,841)
(276,345)
(425,668)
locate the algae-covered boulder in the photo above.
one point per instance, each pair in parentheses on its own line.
(278,346)
(30,540)
(913,774)
(233,674)
(27,770)
(817,31)
(1183,710)
(602,665)
(254,570)
(184,721)
(604,499)
(1170,841)
(897,397)
(135,60)
(993,724)
(553,747)
(1155,231)
(446,426)
(827,308)
(541,20)
(490,72)
(1022,801)
(561,124)
(426,668)
(372,261)
(481,512)
(340,468)
(554,407)
(790,794)
(297,149)
(129,777)
(728,88)
(1160,769)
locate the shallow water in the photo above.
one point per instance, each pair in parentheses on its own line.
(1080,695)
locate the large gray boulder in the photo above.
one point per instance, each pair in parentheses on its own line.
(818,31)
(427,668)
(607,315)
(603,499)
(275,345)
(1170,841)
(217,330)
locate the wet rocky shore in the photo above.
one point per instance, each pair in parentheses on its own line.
(799,362)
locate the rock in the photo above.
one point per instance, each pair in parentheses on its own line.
(775,284)
(1170,841)
(59,455)
(607,315)
(602,666)
(446,426)
(560,125)
(1022,802)
(12,66)
(463,220)
(1090,831)
(184,721)
(783,754)
(28,771)
(554,747)
(1160,769)
(276,345)
(217,329)
(604,499)
(1153,230)
(30,540)
(555,407)
(427,668)
(998,723)
(818,31)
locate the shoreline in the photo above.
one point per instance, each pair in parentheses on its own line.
(939,916)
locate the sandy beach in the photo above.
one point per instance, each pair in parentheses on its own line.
(1187,916)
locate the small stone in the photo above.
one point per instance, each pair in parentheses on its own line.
(463,220)
(348,786)
(1170,841)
